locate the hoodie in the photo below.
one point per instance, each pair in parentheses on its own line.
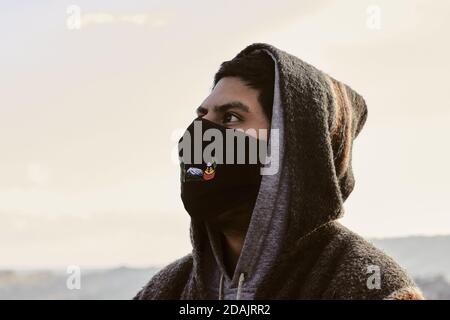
(294,247)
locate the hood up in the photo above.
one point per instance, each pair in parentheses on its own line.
(318,118)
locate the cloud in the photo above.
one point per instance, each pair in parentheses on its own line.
(77,18)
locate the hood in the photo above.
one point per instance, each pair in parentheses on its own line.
(318,118)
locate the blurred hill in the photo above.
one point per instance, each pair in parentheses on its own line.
(120,283)
(422,256)
(427,259)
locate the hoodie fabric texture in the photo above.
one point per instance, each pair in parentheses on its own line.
(294,247)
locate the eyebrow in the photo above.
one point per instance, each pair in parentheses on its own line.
(225,107)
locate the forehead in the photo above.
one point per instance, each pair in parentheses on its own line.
(231,89)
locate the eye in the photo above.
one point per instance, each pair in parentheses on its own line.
(231,118)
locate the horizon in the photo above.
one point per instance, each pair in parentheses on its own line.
(61,268)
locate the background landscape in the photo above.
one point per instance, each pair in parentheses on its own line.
(426,259)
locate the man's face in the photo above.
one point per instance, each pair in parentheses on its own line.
(235,105)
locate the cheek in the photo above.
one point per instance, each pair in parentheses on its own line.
(262,134)
(258,128)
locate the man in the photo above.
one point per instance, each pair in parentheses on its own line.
(276,235)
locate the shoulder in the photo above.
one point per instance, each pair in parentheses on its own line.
(168,282)
(366,272)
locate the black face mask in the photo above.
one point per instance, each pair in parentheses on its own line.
(213,182)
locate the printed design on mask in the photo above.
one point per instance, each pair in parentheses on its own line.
(197,174)
(210,171)
(194,174)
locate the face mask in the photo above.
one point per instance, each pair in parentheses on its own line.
(220,169)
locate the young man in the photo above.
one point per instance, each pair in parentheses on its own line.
(276,235)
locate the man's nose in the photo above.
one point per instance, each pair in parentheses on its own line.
(210,116)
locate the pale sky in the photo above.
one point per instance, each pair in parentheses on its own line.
(87,116)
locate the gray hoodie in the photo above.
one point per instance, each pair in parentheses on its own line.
(294,247)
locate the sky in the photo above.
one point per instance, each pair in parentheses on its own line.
(89,115)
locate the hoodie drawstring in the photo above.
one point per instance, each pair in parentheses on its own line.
(241,281)
(239,288)
(221,287)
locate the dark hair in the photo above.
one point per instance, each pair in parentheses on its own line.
(256,69)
